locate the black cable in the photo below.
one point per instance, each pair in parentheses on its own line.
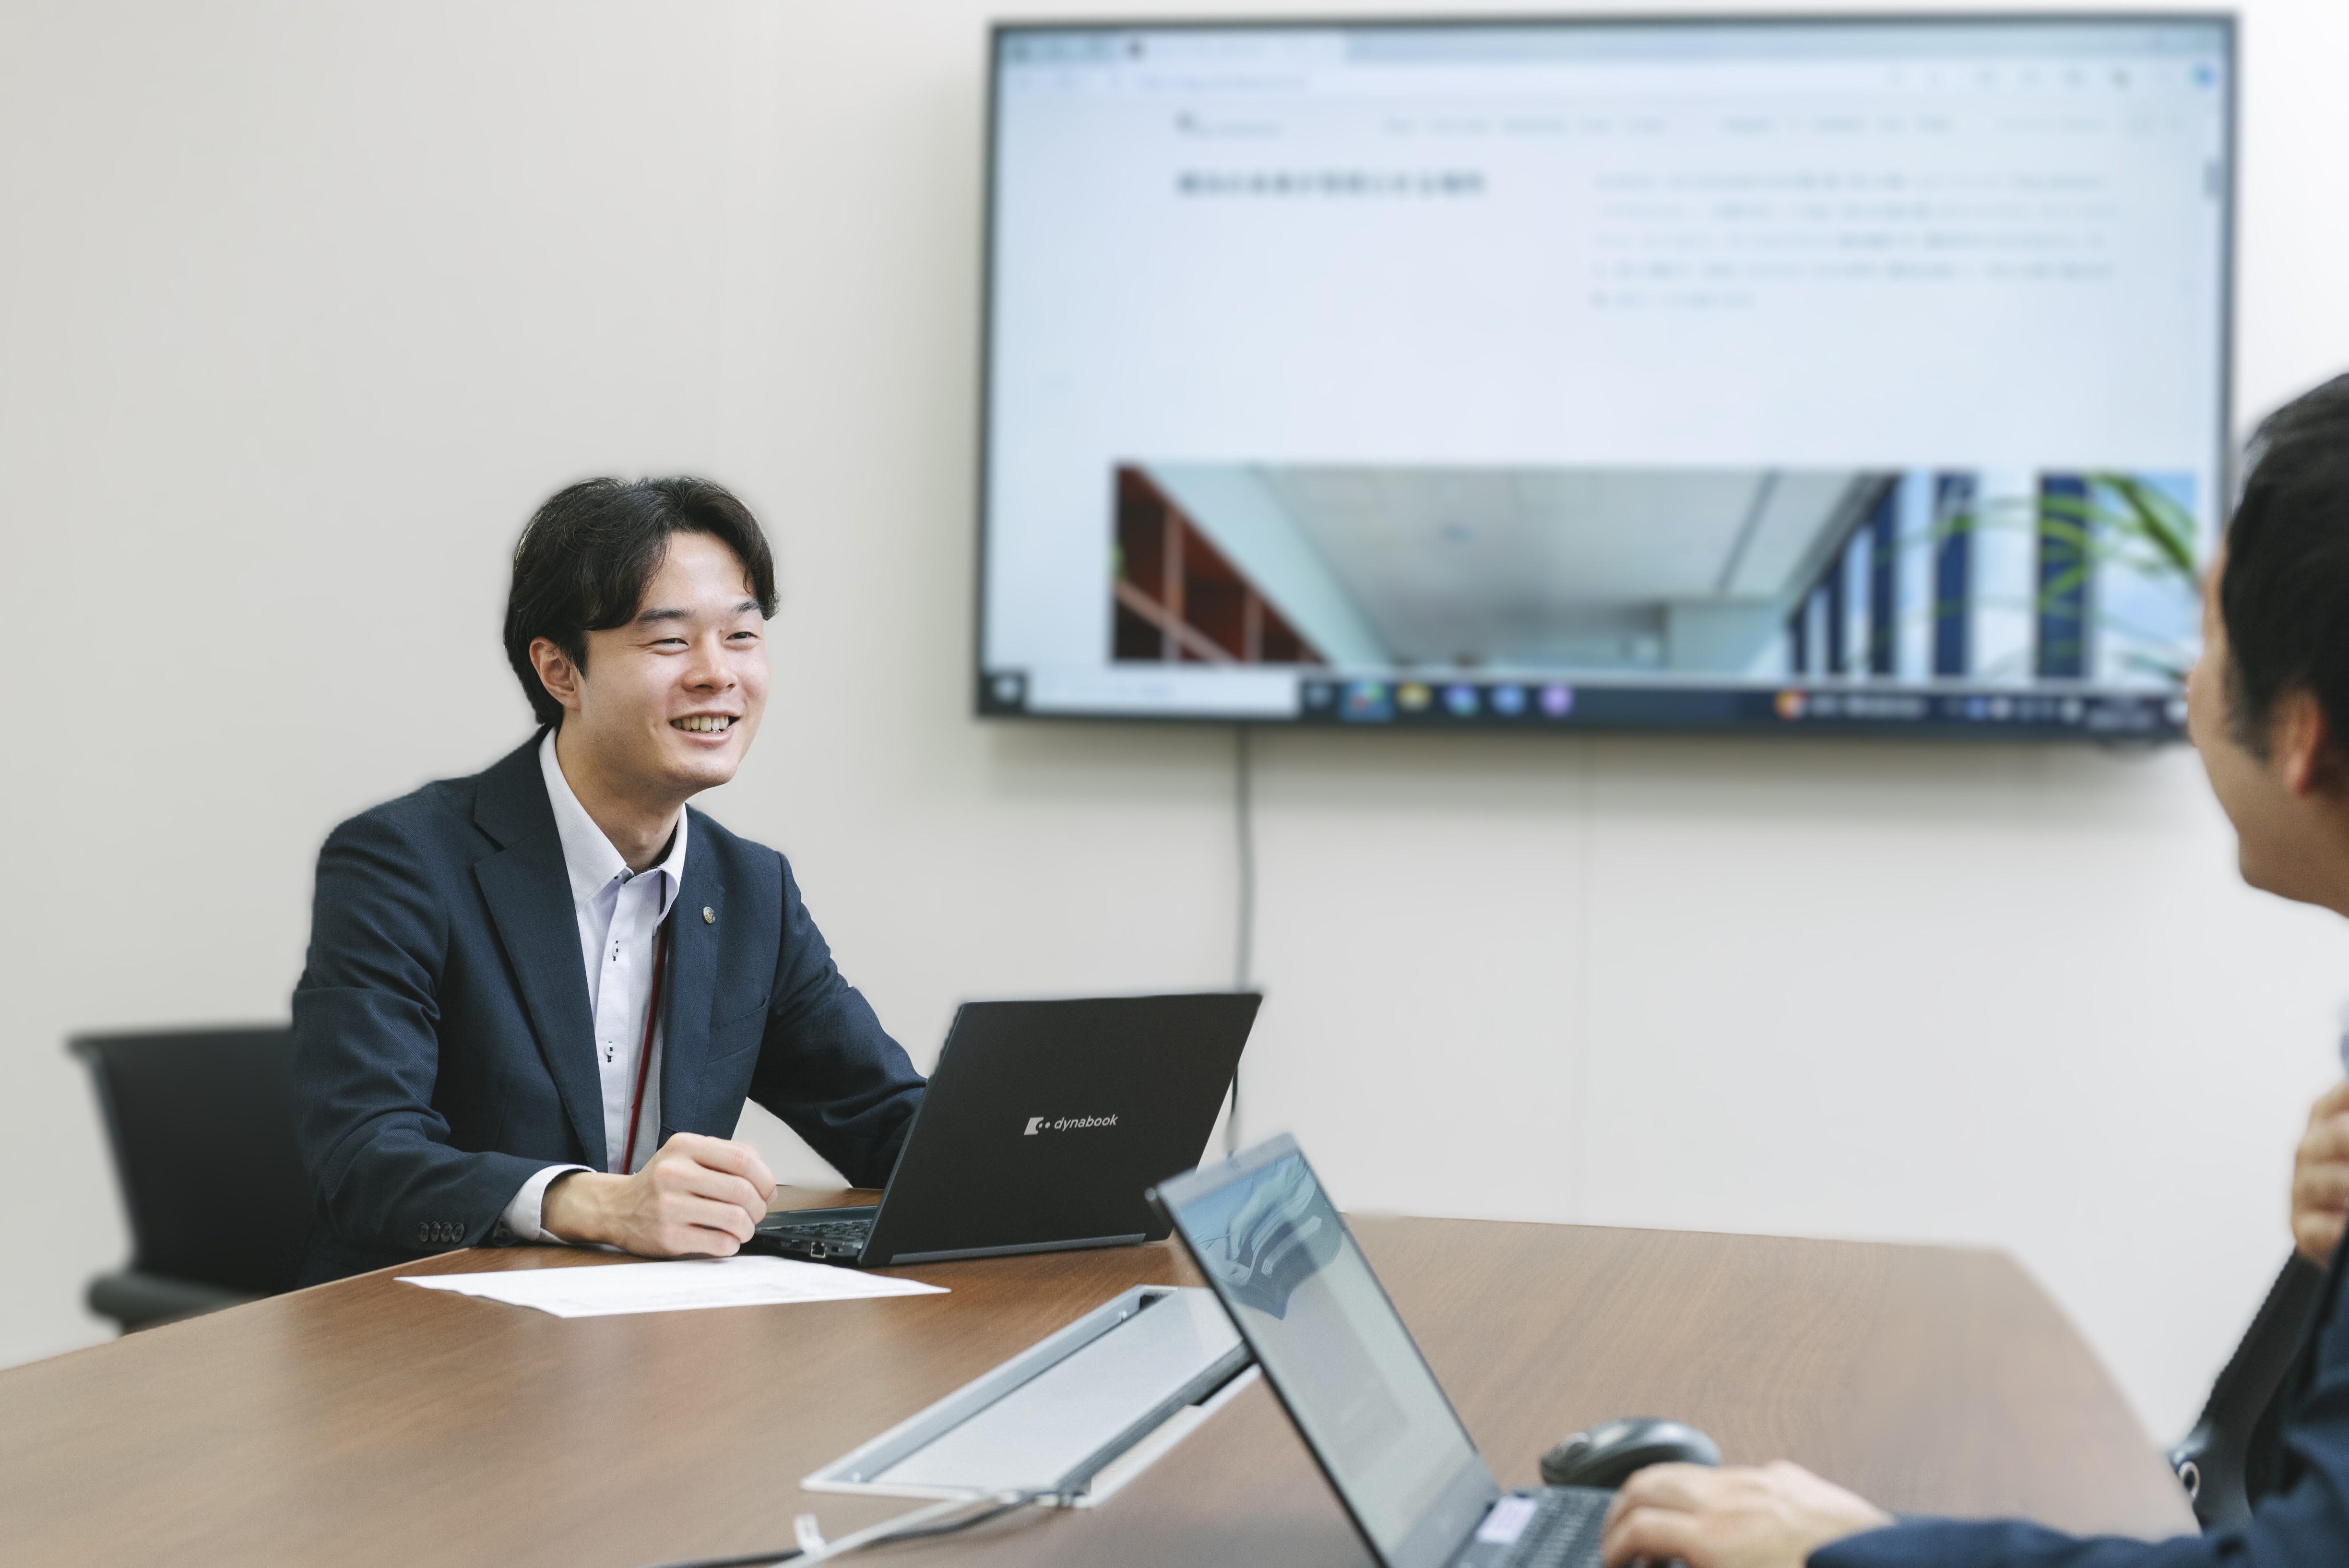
(1244,925)
(1243,831)
(998,1511)
(755,1560)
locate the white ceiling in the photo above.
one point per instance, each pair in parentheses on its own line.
(1501,565)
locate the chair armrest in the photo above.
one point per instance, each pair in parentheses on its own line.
(138,1301)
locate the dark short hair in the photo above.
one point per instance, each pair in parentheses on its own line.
(2284,598)
(585,557)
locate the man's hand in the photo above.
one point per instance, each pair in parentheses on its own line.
(1774,1516)
(698,1198)
(2320,1178)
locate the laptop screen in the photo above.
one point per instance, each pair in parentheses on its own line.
(1303,1296)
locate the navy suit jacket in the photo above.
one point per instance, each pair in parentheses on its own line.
(2302,1522)
(443,1044)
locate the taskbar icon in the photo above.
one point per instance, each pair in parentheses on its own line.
(1380,702)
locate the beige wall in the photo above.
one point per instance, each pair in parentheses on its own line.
(304,306)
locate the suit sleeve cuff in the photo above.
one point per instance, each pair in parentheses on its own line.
(527,1208)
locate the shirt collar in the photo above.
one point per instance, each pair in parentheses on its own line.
(593,863)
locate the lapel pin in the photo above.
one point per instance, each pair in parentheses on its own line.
(708,916)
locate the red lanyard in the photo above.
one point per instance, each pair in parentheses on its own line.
(645,1057)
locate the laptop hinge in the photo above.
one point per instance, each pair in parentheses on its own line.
(899,1258)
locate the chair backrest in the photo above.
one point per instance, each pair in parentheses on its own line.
(203,1126)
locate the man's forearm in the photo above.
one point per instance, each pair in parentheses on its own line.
(526,1213)
(2010,1543)
(576,1205)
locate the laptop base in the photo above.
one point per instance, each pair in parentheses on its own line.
(842,1236)
(819,1235)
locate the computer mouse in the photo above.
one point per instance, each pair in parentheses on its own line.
(1606,1455)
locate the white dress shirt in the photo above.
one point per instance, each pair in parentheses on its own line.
(619,914)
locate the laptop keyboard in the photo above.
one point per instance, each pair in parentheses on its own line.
(1564,1533)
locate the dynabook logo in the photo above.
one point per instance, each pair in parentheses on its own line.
(1067,1124)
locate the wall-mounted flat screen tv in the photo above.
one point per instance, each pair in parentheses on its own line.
(1791,375)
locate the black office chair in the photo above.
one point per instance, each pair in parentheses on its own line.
(203,1126)
(2227,1462)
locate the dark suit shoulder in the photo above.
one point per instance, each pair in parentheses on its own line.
(430,811)
(730,847)
(445,810)
(743,864)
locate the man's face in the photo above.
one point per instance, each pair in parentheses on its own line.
(671,700)
(2266,814)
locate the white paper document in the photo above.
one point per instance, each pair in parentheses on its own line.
(679,1286)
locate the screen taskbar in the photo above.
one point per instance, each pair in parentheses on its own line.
(1202,695)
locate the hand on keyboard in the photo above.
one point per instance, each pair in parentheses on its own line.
(1773,1516)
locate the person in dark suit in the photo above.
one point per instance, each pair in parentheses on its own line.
(535,999)
(2269,711)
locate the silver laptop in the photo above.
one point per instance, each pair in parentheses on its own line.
(1346,1370)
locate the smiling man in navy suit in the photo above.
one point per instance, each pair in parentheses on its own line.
(536,999)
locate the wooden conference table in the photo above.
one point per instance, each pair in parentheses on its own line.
(368,1422)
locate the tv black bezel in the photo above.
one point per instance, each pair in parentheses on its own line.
(986,705)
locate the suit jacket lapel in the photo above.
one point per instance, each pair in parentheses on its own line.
(528,890)
(691,987)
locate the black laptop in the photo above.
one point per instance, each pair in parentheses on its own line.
(1041,1130)
(1302,1295)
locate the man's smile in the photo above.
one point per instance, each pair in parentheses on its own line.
(706,723)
